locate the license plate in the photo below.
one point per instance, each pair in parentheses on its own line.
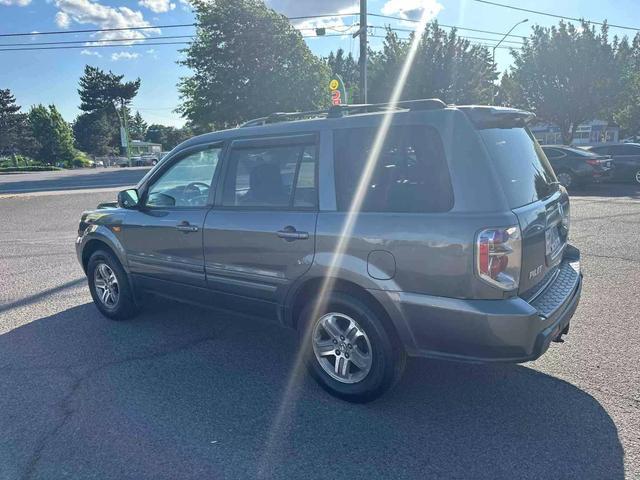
(553,241)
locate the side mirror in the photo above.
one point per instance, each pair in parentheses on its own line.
(128,199)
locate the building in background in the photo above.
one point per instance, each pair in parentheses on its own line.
(591,133)
(139,147)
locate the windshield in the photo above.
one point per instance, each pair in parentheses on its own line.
(522,166)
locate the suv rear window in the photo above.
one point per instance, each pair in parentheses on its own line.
(410,176)
(524,171)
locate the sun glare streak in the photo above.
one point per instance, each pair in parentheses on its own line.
(289,397)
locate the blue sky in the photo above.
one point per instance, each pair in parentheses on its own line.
(51,76)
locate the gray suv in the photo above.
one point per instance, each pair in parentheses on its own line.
(376,232)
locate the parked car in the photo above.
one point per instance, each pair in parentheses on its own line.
(626,160)
(451,245)
(147,160)
(575,167)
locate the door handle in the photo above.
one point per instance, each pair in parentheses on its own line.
(290,234)
(186,227)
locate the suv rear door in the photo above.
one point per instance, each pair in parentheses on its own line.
(531,190)
(261,234)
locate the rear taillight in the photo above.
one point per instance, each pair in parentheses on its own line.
(595,163)
(499,256)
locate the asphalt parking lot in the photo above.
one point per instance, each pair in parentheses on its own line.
(186,393)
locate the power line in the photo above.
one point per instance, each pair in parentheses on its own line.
(118,45)
(144,27)
(95,30)
(476,44)
(135,39)
(67,47)
(394,29)
(547,14)
(33,44)
(391,17)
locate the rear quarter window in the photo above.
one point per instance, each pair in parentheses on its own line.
(523,169)
(411,174)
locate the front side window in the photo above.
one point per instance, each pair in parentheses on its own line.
(187,183)
(411,174)
(282,176)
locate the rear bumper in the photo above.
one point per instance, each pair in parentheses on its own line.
(512,330)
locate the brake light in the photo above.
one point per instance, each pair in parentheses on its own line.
(499,256)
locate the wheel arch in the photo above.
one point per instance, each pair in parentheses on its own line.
(98,242)
(311,288)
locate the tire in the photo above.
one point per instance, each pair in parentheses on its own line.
(567,179)
(120,303)
(636,177)
(154,163)
(378,350)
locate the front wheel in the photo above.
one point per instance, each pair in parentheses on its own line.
(109,286)
(349,349)
(637,177)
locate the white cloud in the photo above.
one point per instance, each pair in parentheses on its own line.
(63,20)
(124,56)
(157,6)
(18,3)
(412,9)
(94,13)
(299,8)
(90,53)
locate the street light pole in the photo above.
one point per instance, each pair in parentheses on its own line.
(493,56)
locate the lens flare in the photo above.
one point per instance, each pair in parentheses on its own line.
(289,398)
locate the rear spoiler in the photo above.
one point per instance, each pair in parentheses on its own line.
(497,117)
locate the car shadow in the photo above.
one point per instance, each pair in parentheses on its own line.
(182,392)
(608,190)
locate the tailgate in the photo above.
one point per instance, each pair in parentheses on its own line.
(544,225)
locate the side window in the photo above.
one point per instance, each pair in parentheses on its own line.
(601,150)
(552,153)
(187,182)
(627,150)
(272,176)
(411,174)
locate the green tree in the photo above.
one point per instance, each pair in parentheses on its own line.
(97,132)
(247,61)
(627,112)
(53,134)
(566,75)
(168,137)
(446,66)
(138,127)
(347,68)
(103,90)
(107,96)
(15,136)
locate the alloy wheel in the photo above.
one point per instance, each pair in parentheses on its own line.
(342,348)
(106,285)
(565,179)
(638,176)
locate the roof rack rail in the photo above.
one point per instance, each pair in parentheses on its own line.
(337,111)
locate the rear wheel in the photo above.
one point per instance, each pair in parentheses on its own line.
(109,286)
(637,176)
(349,350)
(566,179)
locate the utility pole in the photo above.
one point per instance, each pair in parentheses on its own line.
(362,33)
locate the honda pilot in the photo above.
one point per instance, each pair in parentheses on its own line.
(377,232)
